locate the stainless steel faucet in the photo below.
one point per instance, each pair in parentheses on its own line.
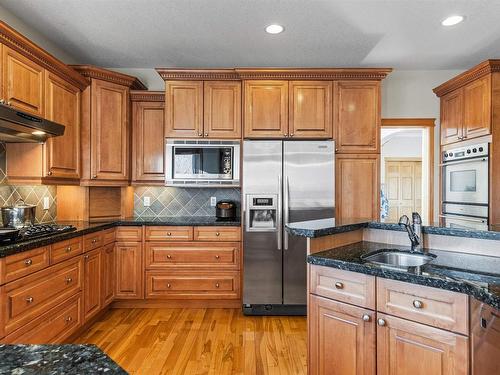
(414,230)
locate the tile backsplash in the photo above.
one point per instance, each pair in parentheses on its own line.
(172,201)
(9,194)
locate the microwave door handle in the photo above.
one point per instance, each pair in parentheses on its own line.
(279,224)
(463,161)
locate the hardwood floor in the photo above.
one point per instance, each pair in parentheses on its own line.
(200,341)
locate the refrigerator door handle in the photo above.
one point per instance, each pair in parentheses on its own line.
(286,199)
(279,224)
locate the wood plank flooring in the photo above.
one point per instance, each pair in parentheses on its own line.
(201,341)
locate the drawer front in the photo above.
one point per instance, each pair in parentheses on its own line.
(66,249)
(53,327)
(92,241)
(27,298)
(169,233)
(193,254)
(129,234)
(345,286)
(431,306)
(192,285)
(108,236)
(217,233)
(22,264)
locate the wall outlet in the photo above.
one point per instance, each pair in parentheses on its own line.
(46,203)
(147,201)
(213,201)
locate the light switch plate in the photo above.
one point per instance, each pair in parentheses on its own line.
(213,201)
(147,201)
(46,203)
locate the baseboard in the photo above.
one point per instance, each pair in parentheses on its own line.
(172,303)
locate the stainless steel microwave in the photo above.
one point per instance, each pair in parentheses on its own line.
(201,163)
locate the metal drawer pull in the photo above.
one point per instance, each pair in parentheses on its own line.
(68,319)
(94,241)
(217,234)
(339,285)
(68,249)
(366,318)
(169,257)
(85,257)
(381,322)
(217,257)
(29,299)
(169,234)
(68,280)
(217,285)
(418,304)
(28,262)
(168,285)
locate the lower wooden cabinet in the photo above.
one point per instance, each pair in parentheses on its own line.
(405,347)
(92,283)
(129,270)
(341,338)
(107,274)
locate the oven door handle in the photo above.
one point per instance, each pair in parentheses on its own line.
(463,218)
(484,158)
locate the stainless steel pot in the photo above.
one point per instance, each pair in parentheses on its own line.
(19,215)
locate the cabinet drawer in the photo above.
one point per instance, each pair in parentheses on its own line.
(192,285)
(27,298)
(129,234)
(169,233)
(51,328)
(66,249)
(193,254)
(432,306)
(92,241)
(108,236)
(345,286)
(217,233)
(16,266)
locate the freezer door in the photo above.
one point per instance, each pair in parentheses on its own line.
(308,194)
(262,181)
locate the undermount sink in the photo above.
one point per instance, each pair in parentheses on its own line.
(398,259)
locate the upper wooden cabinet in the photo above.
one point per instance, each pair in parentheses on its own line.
(452,117)
(357,116)
(184,109)
(106,127)
(148,137)
(477,108)
(222,109)
(266,109)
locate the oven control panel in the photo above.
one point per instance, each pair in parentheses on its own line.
(466,152)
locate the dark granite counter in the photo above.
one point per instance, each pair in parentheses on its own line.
(475,275)
(83,227)
(325,227)
(56,359)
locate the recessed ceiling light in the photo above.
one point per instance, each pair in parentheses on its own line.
(452,20)
(274,29)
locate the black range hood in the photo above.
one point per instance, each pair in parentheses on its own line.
(20,127)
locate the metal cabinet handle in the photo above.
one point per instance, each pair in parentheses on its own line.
(2,101)
(286,134)
(381,322)
(418,304)
(217,285)
(217,257)
(69,280)
(339,285)
(169,234)
(85,257)
(366,318)
(206,134)
(291,134)
(68,249)
(29,299)
(68,319)
(94,176)
(217,234)
(49,173)
(9,103)
(28,262)
(200,134)
(168,285)
(169,257)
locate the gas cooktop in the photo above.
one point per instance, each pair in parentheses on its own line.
(13,235)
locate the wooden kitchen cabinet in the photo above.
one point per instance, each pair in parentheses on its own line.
(266,109)
(477,108)
(92,283)
(452,117)
(357,187)
(148,137)
(107,274)
(405,347)
(222,109)
(341,341)
(129,271)
(310,109)
(357,116)
(184,109)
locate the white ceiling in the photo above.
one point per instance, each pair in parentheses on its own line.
(404,34)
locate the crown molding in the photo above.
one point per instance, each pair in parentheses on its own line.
(274,73)
(147,96)
(18,42)
(91,71)
(478,71)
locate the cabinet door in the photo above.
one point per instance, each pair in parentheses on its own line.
(222,109)
(148,142)
(92,283)
(129,270)
(109,131)
(266,109)
(357,116)
(452,115)
(405,347)
(108,274)
(310,109)
(62,105)
(341,342)
(477,108)
(357,185)
(22,82)
(184,109)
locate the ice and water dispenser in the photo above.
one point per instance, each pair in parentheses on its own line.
(262,213)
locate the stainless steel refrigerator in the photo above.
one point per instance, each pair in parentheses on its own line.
(283,182)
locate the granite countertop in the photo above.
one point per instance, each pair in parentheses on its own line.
(82,227)
(56,359)
(475,275)
(325,227)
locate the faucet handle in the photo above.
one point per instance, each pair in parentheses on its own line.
(404,221)
(416,218)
